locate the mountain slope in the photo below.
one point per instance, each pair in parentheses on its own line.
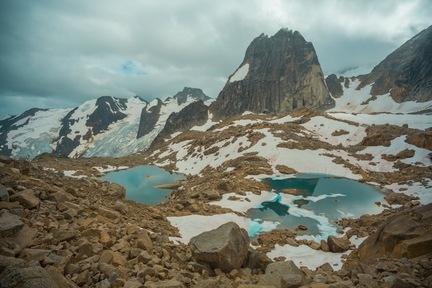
(406,73)
(106,126)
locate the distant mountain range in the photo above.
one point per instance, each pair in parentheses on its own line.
(278,74)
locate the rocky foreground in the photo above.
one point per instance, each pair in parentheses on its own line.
(58,231)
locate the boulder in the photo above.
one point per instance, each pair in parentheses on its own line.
(283,275)
(406,235)
(26,275)
(225,247)
(338,244)
(59,279)
(144,241)
(26,198)
(256,260)
(9,224)
(4,195)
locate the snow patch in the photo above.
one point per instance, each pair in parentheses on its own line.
(240,74)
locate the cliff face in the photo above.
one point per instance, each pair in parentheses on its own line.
(195,114)
(278,74)
(407,72)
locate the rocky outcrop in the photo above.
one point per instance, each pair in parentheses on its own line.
(421,139)
(407,72)
(278,74)
(195,114)
(149,118)
(338,245)
(334,85)
(26,275)
(225,247)
(406,235)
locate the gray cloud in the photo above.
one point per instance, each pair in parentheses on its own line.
(62,53)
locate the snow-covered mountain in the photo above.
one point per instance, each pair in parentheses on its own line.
(110,126)
(106,126)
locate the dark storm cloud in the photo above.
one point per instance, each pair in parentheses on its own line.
(61,53)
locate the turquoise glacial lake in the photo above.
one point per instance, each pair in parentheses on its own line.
(140,183)
(324,199)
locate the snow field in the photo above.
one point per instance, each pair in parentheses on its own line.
(36,137)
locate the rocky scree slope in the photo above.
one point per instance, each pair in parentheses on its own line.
(58,231)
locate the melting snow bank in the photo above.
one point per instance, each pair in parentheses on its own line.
(109,168)
(71,173)
(303,255)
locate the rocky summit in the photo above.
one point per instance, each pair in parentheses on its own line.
(278,74)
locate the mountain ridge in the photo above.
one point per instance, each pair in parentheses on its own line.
(119,127)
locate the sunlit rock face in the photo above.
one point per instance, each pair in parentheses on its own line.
(278,74)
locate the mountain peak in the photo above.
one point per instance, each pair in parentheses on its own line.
(195,93)
(278,74)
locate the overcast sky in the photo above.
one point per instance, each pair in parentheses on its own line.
(61,53)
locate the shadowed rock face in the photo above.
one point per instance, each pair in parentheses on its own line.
(192,115)
(407,72)
(278,74)
(334,85)
(149,118)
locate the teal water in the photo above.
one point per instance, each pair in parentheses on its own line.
(325,199)
(139,183)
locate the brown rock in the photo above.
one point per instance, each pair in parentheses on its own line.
(105,239)
(283,274)
(59,279)
(106,257)
(406,235)
(34,254)
(64,234)
(60,196)
(118,259)
(212,195)
(144,241)
(108,213)
(86,250)
(422,140)
(324,246)
(338,244)
(26,198)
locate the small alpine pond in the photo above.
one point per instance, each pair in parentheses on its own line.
(316,201)
(141,183)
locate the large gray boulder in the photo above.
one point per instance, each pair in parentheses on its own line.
(225,247)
